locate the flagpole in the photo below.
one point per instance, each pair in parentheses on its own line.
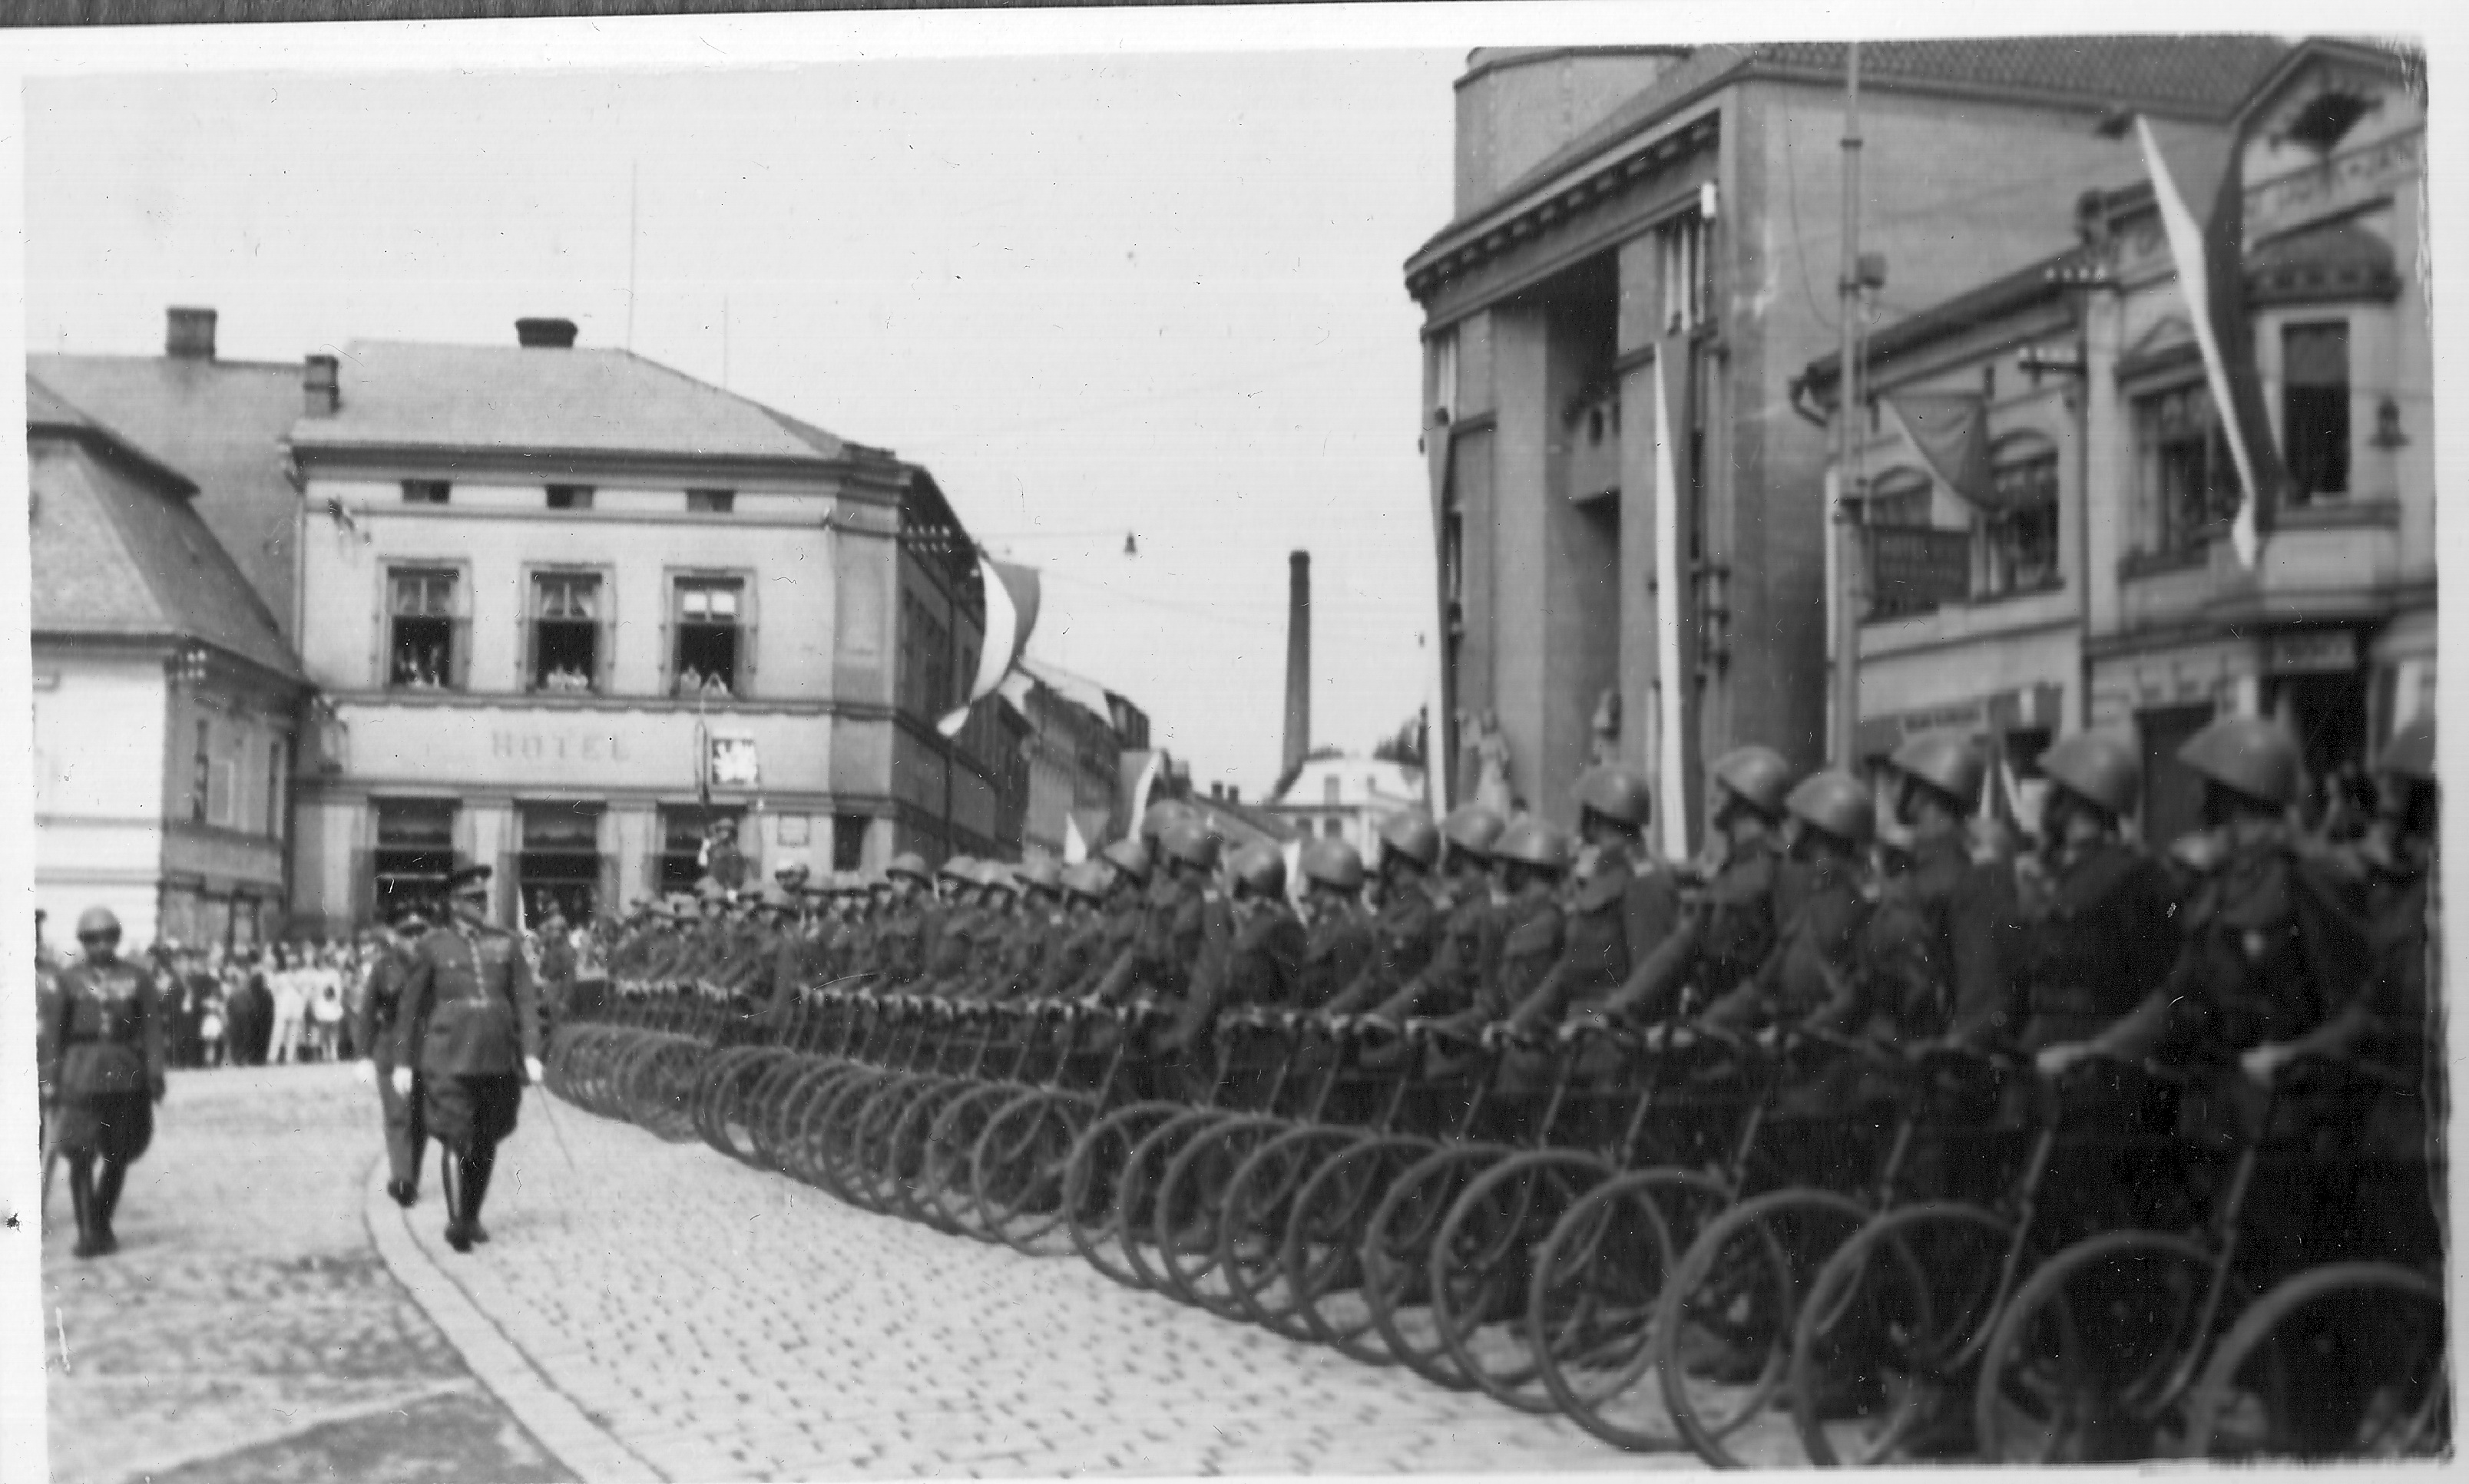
(1848,409)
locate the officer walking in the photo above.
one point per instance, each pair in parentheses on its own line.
(470,1025)
(376,1029)
(104,1041)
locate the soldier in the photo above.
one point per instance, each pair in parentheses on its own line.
(902,899)
(469,1026)
(1813,975)
(2098,930)
(1341,944)
(1264,952)
(1619,915)
(406,1138)
(1043,920)
(1726,933)
(1186,924)
(1079,931)
(1957,963)
(1534,858)
(555,965)
(106,1043)
(723,862)
(1408,924)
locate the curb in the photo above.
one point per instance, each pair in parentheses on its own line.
(588,1451)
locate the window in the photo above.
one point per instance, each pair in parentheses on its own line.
(1328,789)
(277,754)
(848,840)
(925,658)
(1900,498)
(423,652)
(1332,827)
(415,849)
(202,773)
(560,865)
(679,865)
(2189,484)
(710,502)
(426,492)
(2314,408)
(222,793)
(2019,541)
(566,632)
(569,496)
(709,630)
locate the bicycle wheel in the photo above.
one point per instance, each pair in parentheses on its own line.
(1590,1306)
(1258,1202)
(1098,1161)
(1322,1250)
(1890,1330)
(2342,1362)
(1481,1262)
(1191,1204)
(1145,1226)
(1397,1252)
(2079,1368)
(1018,1169)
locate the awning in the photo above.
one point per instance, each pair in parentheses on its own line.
(2336,259)
(2025,708)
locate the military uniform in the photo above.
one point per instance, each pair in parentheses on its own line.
(1725,937)
(2095,942)
(1814,975)
(1957,977)
(1405,932)
(104,1040)
(470,1021)
(1616,918)
(406,1134)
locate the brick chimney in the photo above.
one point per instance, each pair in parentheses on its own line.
(1298,658)
(189,334)
(550,335)
(321,386)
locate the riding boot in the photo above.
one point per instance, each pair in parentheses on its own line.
(81,1200)
(449,1176)
(107,1200)
(477,1167)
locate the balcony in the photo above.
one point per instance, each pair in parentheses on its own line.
(2329,559)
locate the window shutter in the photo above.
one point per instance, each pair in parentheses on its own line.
(748,613)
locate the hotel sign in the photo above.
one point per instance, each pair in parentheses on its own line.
(544,744)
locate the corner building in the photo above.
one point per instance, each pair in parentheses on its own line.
(538,583)
(1619,208)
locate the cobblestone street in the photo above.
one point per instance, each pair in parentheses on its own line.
(248,1330)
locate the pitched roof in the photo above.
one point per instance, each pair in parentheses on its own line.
(400,394)
(1080,689)
(118,550)
(2029,285)
(218,422)
(2191,76)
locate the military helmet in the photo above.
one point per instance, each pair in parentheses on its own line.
(911,864)
(1410,832)
(1836,804)
(2411,753)
(1533,842)
(98,921)
(1041,875)
(1129,857)
(2098,768)
(1086,880)
(1616,793)
(1162,816)
(960,868)
(1191,842)
(779,899)
(1757,776)
(1332,862)
(1949,762)
(1473,828)
(2247,755)
(1260,868)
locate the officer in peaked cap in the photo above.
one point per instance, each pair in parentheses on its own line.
(376,1029)
(470,1029)
(106,1072)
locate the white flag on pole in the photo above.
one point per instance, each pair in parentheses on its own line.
(1669,780)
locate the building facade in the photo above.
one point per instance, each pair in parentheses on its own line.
(567,608)
(1334,796)
(1667,217)
(2089,579)
(165,699)
(1078,733)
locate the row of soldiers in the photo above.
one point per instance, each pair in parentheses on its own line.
(2249,943)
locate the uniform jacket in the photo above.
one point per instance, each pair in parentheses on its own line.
(1256,965)
(372,1027)
(1616,918)
(1075,953)
(1337,952)
(1814,975)
(1466,954)
(900,947)
(1725,938)
(1404,933)
(1966,924)
(1533,937)
(468,1008)
(105,1036)
(2100,938)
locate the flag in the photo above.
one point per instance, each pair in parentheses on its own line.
(2201,192)
(1076,845)
(1439,755)
(1141,789)
(701,759)
(1670,776)
(1011,613)
(1951,431)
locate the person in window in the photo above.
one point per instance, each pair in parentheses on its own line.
(690,681)
(715,686)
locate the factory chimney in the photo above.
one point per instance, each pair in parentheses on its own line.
(1298,660)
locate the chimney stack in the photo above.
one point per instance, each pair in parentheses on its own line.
(552,335)
(1298,660)
(189,334)
(322,386)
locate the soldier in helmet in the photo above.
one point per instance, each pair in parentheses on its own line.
(2098,931)
(406,1137)
(1467,953)
(1121,910)
(1728,930)
(901,931)
(1407,927)
(1958,951)
(1813,976)
(1619,915)
(1185,924)
(1341,943)
(1264,953)
(105,1072)
(1079,933)
(469,1026)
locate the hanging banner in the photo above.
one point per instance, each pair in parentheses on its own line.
(732,761)
(1670,774)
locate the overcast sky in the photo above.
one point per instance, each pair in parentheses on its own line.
(1152,295)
